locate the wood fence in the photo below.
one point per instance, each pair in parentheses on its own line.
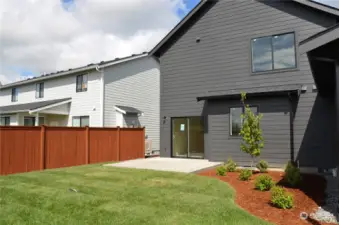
(24,149)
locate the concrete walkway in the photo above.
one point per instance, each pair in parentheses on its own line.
(168,164)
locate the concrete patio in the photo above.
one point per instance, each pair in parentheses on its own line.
(168,164)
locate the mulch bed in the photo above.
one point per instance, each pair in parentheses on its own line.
(307,197)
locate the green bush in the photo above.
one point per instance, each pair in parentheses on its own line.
(221,171)
(292,175)
(262,166)
(230,165)
(245,174)
(264,183)
(280,198)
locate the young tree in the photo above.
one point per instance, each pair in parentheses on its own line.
(251,133)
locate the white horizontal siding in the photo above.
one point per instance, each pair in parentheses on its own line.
(83,103)
(135,84)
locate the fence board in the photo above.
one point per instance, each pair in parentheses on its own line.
(19,150)
(132,143)
(24,149)
(65,147)
(103,145)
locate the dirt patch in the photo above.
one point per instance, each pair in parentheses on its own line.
(307,197)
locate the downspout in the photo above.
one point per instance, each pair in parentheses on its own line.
(102,95)
(336,99)
(290,97)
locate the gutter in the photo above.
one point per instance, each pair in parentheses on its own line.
(69,72)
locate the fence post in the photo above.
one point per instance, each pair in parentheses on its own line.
(0,151)
(143,142)
(87,145)
(118,144)
(42,148)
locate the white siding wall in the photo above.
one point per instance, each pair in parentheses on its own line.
(83,103)
(136,84)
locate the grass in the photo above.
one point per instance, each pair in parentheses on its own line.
(110,195)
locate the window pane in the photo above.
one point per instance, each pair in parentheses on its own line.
(42,87)
(37,89)
(76,122)
(236,121)
(41,121)
(284,51)
(5,121)
(79,81)
(254,109)
(84,82)
(262,54)
(14,94)
(29,121)
(84,121)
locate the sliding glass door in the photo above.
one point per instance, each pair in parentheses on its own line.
(188,137)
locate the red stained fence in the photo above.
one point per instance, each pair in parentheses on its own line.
(24,149)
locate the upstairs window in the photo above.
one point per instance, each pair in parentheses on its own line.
(236,121)
(275,52)
(82,83)
(14,94)
(39,90)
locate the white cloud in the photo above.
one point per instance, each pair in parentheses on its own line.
(41,36)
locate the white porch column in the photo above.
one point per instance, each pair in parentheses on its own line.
(36,119)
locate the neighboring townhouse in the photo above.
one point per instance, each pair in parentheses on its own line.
(122,92)
(282,53)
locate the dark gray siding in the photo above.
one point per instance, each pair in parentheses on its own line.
(222,60)
(275,125)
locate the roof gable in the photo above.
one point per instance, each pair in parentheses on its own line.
(203,4)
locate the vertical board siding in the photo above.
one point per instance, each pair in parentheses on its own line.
(222,61)
(25,149)
(135,84)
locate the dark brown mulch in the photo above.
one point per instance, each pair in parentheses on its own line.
(307,197)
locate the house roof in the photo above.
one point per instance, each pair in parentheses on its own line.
(204,3)
(127,109)
(81,69)
(256,91)
(319,39)
(30,106)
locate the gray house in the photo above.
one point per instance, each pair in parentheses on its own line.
(284,54)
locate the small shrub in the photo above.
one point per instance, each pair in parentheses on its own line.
(292,175)
(245,174)
(221,171)
(262,166)
(264,183)
(230,165)
(280,198)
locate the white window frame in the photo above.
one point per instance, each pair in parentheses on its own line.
(80,120)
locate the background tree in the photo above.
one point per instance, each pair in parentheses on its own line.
(251,133)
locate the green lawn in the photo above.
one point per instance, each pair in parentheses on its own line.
(117,196)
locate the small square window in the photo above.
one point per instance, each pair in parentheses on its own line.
(236,121)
